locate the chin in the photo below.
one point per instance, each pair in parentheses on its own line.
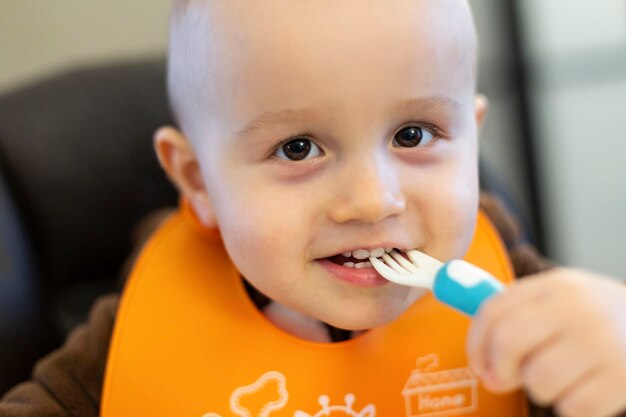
(360,323)
(363,319)
(367,313)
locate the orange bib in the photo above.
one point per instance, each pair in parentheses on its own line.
(189,342)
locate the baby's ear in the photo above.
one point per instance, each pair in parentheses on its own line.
(178,159)
(481,106)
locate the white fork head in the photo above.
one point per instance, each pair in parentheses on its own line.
(420,272)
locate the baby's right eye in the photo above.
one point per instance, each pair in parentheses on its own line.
(298,149)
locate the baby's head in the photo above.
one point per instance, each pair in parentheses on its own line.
(315,128)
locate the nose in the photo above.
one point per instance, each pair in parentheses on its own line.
(368,193)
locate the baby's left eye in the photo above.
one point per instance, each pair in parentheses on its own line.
(298,149)
(412,136)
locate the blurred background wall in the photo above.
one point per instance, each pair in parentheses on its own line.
(577,54)
(556,75)
(38,36)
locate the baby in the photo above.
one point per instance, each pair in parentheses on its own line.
(316,131)
(313,128)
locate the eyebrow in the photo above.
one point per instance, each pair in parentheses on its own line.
(271,118)
(436,102)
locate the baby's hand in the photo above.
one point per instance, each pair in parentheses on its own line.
(560,335)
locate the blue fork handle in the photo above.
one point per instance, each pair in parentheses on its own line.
(464,286)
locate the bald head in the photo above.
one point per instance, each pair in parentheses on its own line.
(220,47)
(188,80)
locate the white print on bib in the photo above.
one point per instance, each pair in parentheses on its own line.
(267,394)
(427,392)
(324,400)
(439,393)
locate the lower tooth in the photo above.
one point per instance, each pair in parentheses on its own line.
(359,265)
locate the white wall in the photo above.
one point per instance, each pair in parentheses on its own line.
(40,36)
(583,151)
(579,98)
(559,27)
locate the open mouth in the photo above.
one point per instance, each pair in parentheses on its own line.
(350,262)
(358,259)
(355,268)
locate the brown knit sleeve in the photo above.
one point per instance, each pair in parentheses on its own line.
(525,258)
(68,382)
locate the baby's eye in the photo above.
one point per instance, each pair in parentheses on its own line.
(412,136)
(298,149)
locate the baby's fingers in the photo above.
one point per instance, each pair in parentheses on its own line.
(493,312)
(514,338)
(555,368)
(592,397)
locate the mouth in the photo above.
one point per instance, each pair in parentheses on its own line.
(359,259)
(355,268)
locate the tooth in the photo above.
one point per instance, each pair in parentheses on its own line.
(361,265)
(347,254)
(388,250)
(349,264)
(368,264)
(361,254)
(377,253)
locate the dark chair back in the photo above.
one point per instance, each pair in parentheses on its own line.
(77,170)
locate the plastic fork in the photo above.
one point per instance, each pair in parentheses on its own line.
(457,283)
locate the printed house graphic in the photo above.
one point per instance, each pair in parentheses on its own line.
(446,392)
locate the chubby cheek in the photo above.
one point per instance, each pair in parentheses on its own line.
(264,237)
(449,210)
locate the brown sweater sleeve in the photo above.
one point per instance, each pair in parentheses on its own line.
(68,382)
(525,258)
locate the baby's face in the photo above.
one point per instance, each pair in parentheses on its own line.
(333,127)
